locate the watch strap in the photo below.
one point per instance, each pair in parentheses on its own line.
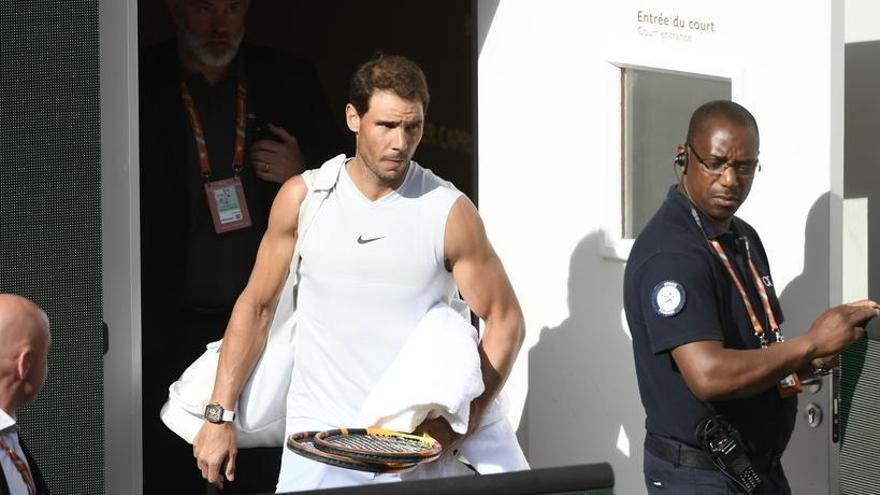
(228,416)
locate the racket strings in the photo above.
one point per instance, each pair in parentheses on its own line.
(365,451)
(377,444)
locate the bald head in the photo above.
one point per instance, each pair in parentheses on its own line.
(24,347)
(21,323)
(716,110)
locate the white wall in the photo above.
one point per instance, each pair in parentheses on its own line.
(120,243)
(549,191)
(861,20)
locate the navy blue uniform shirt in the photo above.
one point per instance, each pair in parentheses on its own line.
(672,257)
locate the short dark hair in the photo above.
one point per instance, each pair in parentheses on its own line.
(734,112)
(384,72)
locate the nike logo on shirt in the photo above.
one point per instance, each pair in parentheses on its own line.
(361,239)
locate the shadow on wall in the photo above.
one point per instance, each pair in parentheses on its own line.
(806,296)
(803,300)
(583,403)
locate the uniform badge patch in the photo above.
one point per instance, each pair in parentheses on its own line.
(668,298)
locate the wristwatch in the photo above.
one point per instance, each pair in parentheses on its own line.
(215,413)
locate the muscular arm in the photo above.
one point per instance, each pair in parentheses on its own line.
(248,328)
(713,372)
(487,290)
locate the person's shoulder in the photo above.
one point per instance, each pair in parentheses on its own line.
(292,193)
(746,228)
(434,192)
(429,180)
(666,238)
(667,230)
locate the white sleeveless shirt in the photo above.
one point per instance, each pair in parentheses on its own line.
(369,271)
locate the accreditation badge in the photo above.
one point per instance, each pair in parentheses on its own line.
(789,386)
(228,205)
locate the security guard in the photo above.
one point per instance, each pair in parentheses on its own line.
(717,381)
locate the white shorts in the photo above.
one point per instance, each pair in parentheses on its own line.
(298,473)
(493,449)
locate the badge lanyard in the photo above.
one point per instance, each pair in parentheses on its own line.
(765,300)
(226,198)
(791,384)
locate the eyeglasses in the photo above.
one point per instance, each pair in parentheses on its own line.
(745,168)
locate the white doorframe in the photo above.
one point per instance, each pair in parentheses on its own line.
(123,471)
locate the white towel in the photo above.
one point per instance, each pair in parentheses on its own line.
(437,373)
(491,449)
(404,397)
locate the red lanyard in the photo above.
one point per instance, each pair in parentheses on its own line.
(198,130)
(765,299)
(20,466)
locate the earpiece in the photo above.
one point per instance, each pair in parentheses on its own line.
(681,157)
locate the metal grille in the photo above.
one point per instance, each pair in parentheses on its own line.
(50,237)
(860,429)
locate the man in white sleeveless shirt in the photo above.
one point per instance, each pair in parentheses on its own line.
(388,242)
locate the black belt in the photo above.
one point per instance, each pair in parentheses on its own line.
(685,455)
(677,452)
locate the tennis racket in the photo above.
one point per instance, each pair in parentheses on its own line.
(375,445)
(303,444)
(371,450)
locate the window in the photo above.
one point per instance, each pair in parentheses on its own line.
(656,109)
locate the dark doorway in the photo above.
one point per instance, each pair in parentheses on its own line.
(338,35)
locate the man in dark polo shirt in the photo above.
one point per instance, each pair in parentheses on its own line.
(705,358)
(222,125)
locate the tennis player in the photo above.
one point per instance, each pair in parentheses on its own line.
(391,239)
